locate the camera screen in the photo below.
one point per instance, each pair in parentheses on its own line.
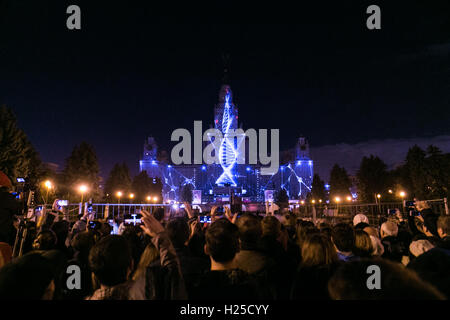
(205,219)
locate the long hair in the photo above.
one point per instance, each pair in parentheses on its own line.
(318,250)
(149,255)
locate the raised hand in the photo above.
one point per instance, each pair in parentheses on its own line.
(151,226)
(188,209)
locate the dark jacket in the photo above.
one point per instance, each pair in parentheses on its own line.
(232,284)
(165,281)
(312,282)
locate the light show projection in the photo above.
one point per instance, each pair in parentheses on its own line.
(210,180)
(228,150)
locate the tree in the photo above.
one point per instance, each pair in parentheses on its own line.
(118,180)
(317,189)
(281,198)
(372,178)
(186,193)
(144,186)
(340,182)
(415,170)
(81,168)
(18,158)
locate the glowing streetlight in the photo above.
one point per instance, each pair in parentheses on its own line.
(48,185)
(320,200)
(349,198)
(378,196)
(155,199)
(82,189)
(337,199)
(402,194)
(390,191)
(149,198)
(131,195)
(302,202)
(313,201)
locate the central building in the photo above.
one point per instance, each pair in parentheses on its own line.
(211,183)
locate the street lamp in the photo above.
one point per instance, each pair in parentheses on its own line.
(131,197)
(82,189)
(402,194)
(48,185)
(149,198)
(349,198)
(155,199)
(337,199)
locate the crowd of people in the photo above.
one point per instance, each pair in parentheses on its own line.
(236,256)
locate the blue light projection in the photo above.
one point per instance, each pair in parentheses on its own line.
(228,153)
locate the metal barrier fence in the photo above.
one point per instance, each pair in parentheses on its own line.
(73,211)
(375,212)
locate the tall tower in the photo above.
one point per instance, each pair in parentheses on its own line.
(302,149)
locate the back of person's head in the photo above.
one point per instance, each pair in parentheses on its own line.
(443,226)
(343,237)
(83,242)
(359,218)
(149,255)
(363,244)
(389,229)
(361,226)
(318,250)
(430,222)
(433,267)
(419,247)
(45,240)
(350,282)
(250,229)
(271,226)
(110,260)
(371,231)
(222,241)
(304,229)
(61,230)
(178,230)
(27,278)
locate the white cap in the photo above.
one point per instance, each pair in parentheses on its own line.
(360,218)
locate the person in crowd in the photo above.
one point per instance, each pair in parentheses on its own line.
(162,278)
(433,267)
(350,282)
(61,230)
(81,245)
(283,267)
(419,247)
(224,281)
(319,262)
(30,277)
(192,266)
(343,238)
(249,258)
(45,240)
(363,244)
(394,249)
(9,207)
(443,229)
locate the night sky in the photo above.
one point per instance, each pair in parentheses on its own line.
(136,69)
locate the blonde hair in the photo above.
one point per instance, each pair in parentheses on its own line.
(149,255)
(318,250)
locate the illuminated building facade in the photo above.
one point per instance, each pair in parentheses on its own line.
(212,182)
